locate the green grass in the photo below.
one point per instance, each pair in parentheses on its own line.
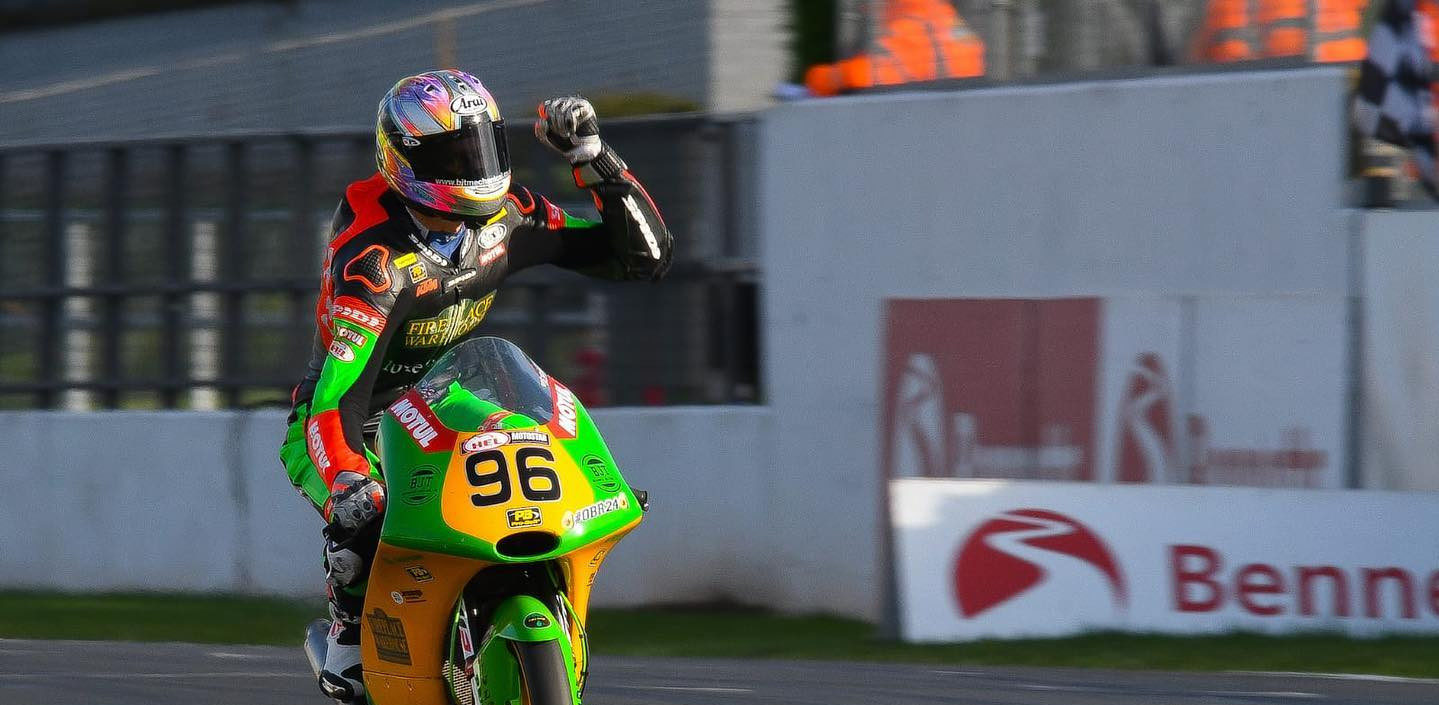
(728,633)
(155,617)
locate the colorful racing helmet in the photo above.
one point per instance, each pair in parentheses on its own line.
(440,144)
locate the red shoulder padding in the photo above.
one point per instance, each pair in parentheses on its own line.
(371,267)
(363,198)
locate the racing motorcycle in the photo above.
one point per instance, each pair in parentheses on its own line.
(503,503)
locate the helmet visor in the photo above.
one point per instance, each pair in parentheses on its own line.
(470,156)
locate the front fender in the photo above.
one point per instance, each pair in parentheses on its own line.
(525,642)
(524,618)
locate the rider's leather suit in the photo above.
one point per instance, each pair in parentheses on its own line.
(390,304)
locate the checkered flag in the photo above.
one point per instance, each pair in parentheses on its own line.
(1394,103)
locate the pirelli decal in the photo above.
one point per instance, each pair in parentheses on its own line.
(449,325)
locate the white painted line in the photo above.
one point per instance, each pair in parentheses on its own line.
(684,689)
(959,673)
(1061,688)
(1262,694)
(1339,676)
(231,654)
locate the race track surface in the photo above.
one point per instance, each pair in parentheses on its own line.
(119,673)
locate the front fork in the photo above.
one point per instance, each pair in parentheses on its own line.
(524,653)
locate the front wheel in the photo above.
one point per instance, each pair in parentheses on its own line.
(524,655)
(544,673)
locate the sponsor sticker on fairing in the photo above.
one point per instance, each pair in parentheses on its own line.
(422,429)
(596,510)
(537,437)
(485,441)
(524,517)
(388,635)
(566,420)
(401,597)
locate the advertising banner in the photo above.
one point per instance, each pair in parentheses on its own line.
(1149,390)
(1001,559)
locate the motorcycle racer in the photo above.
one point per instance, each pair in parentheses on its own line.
(418,252)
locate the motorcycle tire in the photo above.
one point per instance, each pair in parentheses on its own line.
(543,672)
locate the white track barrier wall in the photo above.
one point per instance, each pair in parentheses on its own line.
(199,501)
(988,558)
(1223,184)
(1400,437)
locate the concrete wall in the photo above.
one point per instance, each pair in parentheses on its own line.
(1226,183)
(1400,438)
(199,501)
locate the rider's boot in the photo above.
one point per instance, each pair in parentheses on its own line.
(342,676)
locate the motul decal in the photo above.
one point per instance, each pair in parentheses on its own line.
(316,443)
(415,415)
(353,310)
(351,336)
(565,424)
(489,256)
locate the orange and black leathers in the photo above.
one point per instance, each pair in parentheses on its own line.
(389,305)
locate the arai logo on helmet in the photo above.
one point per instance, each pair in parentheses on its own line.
(485,441)
(468,104)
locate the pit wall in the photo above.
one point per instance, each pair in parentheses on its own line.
(198,501)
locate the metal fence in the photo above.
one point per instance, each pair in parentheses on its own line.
(183,272)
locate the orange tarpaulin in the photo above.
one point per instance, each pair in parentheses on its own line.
(922,40)
(1239,30)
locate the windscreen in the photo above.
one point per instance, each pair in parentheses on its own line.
(493,370)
